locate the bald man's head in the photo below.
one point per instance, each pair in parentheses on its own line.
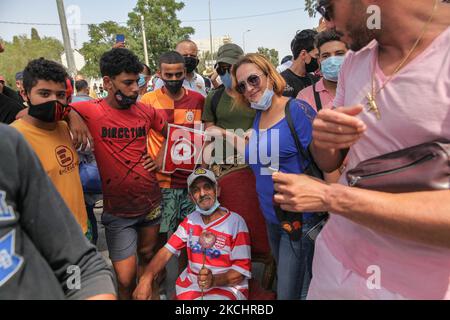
(187,48)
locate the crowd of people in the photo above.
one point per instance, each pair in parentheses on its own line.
(338,138)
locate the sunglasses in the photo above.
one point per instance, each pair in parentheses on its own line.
(325,9)
(221,70)
(253,80)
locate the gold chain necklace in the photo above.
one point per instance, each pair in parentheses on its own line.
(371,97)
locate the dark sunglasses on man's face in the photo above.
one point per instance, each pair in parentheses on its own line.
(325,9)
(221,70)
(254,80)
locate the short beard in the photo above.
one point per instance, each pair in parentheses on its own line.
(360,38)
(357,30)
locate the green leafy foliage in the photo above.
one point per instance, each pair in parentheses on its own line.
(270,54)
(102,38)
(24,49)
(310,7)
(162,29)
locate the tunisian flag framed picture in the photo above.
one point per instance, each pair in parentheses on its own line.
(183,150)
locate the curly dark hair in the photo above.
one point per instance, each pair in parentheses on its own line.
(43,69)
(327,36)
(118,60)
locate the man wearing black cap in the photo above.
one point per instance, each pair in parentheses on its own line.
(221,109)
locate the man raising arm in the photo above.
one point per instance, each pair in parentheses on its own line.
(404,235)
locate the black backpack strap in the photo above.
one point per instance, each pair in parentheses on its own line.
(218,93)
(312,169)
(317,98)
(290,122)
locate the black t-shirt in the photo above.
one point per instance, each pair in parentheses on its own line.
(295,83)
(9,108)
(15,95)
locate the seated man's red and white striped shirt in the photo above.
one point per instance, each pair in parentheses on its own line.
(230,252)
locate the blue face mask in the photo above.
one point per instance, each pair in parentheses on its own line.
(265,102)
(210,211)
(226,80)
(141,81)
(331,68)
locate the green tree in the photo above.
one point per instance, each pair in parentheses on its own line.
(35,35)
(205,57)
(162,29)
(102,38)
(310,7)
(270,54)
(23,49)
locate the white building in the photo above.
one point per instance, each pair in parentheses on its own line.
(204,46)
(80,62)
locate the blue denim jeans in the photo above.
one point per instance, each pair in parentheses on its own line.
(293,259)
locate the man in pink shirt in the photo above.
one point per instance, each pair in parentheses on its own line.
(379,245)
(332,51)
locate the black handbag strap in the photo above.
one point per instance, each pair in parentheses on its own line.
(290,122)
(311,169)
(317,98)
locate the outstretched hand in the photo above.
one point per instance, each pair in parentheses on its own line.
(338,128)
(300,193)
(143,290)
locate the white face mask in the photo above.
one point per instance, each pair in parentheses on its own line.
(265,102)
(210,211)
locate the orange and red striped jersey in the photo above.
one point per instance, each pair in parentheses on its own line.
(184,112)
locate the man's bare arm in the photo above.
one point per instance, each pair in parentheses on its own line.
(422,216)
(144,288)
(418,216)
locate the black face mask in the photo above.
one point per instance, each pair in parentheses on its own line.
(50,111)
(125,102)
(313,66)
(174,86)
(190,64)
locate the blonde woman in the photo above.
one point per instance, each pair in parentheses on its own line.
(272,146)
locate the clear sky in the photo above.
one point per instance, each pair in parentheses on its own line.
(272,31)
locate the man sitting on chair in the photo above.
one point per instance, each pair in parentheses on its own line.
(218,246)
